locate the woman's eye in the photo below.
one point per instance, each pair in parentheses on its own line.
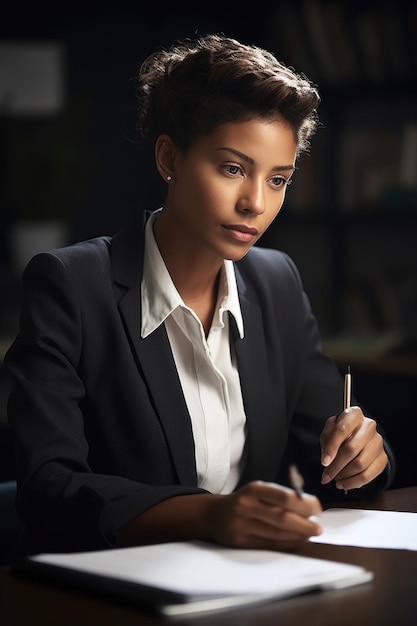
(232,169)
(279,181)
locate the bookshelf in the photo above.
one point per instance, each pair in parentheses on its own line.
(350,217)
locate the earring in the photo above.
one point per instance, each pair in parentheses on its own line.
(169,178)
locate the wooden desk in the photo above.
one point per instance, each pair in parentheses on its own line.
(390,599)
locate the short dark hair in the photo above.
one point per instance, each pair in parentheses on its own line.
(198,84)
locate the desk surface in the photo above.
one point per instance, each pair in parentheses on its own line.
(391,598)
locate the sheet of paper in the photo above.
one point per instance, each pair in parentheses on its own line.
(368,529)
(199,569)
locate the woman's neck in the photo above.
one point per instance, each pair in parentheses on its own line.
(195,276)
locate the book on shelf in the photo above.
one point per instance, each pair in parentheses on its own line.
(367,44)
(286,35)
(191,578)
(376,157)
(319,33)
(362,345)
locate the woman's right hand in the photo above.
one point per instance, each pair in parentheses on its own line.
(264,516)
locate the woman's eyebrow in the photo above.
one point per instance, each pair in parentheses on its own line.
(248,159)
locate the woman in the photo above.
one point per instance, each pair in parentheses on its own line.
(165,378)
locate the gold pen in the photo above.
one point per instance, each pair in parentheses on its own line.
(347,393)
(348,389)
(296,480)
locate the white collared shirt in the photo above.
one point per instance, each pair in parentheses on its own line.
(207,368)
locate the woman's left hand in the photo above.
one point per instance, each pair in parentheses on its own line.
(352,450)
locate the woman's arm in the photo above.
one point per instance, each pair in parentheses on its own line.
(259,515)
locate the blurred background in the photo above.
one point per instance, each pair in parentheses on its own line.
(72,165)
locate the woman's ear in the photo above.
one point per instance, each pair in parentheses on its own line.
(165,152)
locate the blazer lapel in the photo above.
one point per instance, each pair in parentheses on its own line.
(263,396)
(154,355)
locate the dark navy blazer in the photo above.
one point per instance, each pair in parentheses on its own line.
(101,425)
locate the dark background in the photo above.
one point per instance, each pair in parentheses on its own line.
(355,243)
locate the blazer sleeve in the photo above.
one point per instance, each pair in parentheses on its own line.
(73,490)
(320,396)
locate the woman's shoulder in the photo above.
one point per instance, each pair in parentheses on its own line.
(95,246)
(84,253)
(270,260)
(269,270)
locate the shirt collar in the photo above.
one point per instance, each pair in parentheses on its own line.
(160,297)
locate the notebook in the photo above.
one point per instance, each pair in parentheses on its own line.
(194,577)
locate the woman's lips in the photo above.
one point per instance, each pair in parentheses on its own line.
(240,232)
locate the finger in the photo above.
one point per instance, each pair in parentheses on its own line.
(337,430)
(356,462)
(254,515)
(288,525)
(287,499)
(360,472)
(356,451)
(363,478)
(274,526)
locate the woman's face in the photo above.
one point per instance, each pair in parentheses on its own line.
(229,186)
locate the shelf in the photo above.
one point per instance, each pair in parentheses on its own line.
(389,353)
(365,216)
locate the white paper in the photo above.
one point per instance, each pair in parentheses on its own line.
(368,529)
(198,569)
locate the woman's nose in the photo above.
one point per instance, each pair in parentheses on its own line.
(252,198)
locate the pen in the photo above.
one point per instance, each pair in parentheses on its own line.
(348,389)
(347,393)
(296,480)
